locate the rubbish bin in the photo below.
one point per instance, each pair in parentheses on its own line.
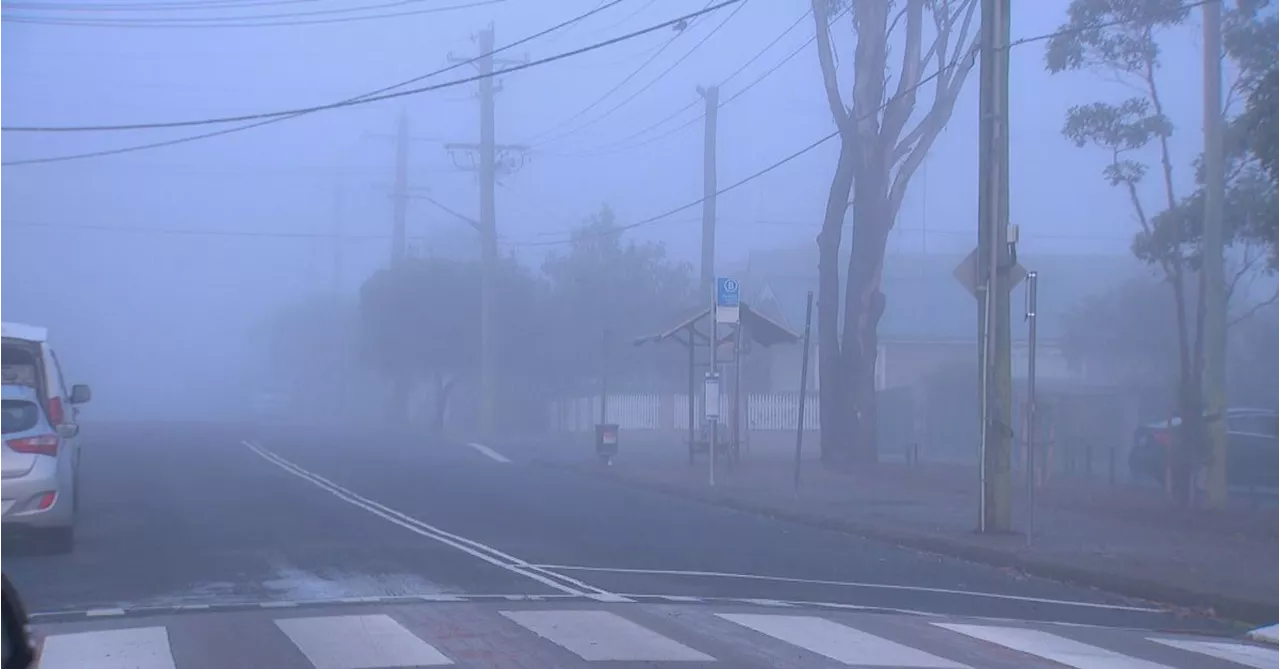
(607,441)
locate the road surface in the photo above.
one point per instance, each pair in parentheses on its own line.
(215,546)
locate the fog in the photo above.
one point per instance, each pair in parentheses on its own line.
(154,269)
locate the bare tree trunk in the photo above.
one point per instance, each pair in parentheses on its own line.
(864,302)
(401,386)
(832,382)
(443,390)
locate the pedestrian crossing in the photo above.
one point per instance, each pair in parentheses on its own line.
(566,635)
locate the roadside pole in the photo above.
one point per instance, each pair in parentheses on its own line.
(804,386)
(724,308)
(1030,464)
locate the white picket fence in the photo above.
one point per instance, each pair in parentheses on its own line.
(654,411)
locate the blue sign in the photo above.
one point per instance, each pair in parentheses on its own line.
(726,292)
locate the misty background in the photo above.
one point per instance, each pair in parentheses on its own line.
(155,268)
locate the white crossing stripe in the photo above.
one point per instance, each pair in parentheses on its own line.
(359,642)
(602,636)
(838,642)
(135,648)
(1052,647)
(1239,653)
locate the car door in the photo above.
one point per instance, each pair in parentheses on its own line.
(1253,444)
(72,412)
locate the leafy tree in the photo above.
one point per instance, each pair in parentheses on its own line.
(884,138)
(1119,39)
(297,334)
(422,322)
(602,283)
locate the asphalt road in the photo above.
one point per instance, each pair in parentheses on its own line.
(194,515)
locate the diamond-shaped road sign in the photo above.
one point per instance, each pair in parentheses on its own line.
(967,274)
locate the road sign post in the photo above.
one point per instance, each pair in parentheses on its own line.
(727,300)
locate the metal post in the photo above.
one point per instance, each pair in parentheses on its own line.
(693,389)
(604,378)
(1032,278)
(804,386)
(737,395)
(715,421)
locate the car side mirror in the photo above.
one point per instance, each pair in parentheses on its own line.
(67,430)
(19,651)
(80,393)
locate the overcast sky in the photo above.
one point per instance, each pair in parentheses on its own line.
(287,178)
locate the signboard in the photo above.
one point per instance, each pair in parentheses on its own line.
(711,395)
(727,299)
(968,275)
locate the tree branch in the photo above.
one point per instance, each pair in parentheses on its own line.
(1251,311)
(899,107)
(928,130)
(945,61)
(826,60)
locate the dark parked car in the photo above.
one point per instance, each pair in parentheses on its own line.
(1253,448)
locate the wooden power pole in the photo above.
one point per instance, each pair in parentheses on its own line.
(711,95)
(487,165)
(994,264)
(400,196)
(1211,251)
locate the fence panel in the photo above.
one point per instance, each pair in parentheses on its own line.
(653,411)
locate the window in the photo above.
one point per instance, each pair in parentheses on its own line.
(1253,424)
(19,415)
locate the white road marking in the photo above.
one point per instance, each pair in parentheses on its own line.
(489,452)
(611,598)
(1239,653)
(847,584)
(484,552)
(838,642)
(1052,647)
(1270,634)
(359,642)
(94,613)
(136,648)
(602,636)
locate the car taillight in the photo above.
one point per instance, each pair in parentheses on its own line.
(56,414)
(44,444)
(1163,438)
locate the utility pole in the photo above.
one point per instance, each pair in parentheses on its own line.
(1211,245)
(338,243)
(487,149)
(711,95)
(995,263)
(400,209)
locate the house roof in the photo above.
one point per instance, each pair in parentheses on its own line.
(924,301)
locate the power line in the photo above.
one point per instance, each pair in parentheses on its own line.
(284,15)
(647,86)
(611,91)
(971,55)
(184,5)
(381,95)
(276,119)
(241,22)
(741,182)
(622,145)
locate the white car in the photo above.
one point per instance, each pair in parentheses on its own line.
(41,450)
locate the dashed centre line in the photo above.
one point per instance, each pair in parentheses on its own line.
(492,454)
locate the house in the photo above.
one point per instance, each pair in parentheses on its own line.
(926,367)
(930,319)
